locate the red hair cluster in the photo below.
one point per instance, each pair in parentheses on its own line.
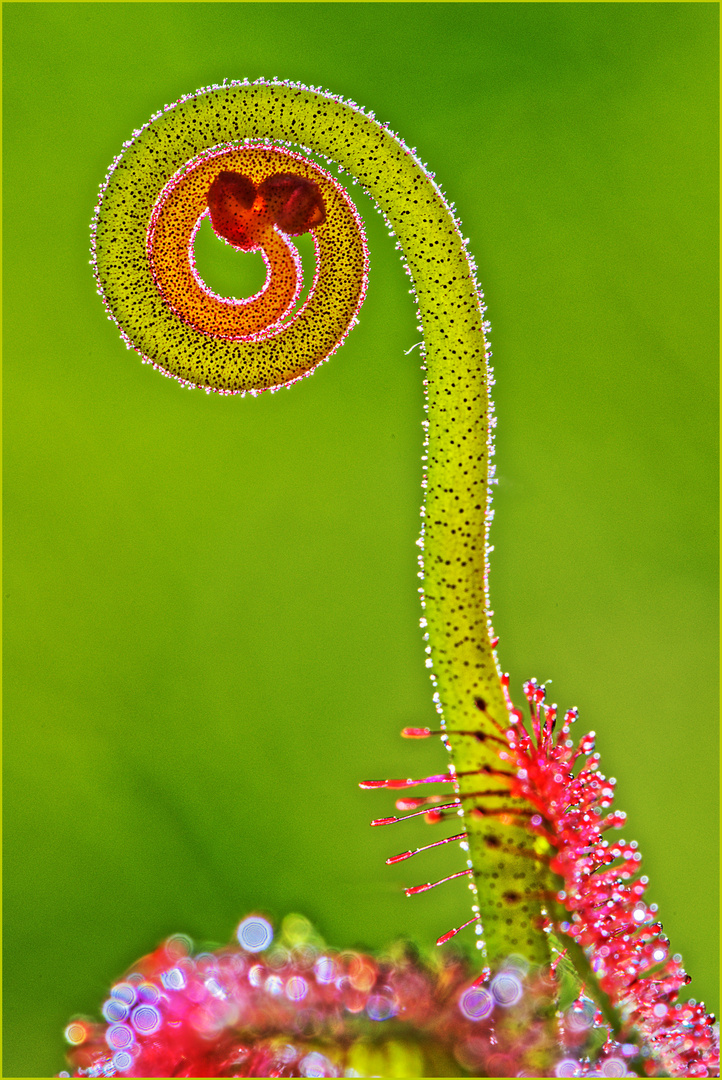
(296,1008)
(601,904)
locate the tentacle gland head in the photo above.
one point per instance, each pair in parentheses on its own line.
(257,195)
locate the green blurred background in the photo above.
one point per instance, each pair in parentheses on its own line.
(211,613)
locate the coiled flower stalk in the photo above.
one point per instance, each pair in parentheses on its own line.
(586,971)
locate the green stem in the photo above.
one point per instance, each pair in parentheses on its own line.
(454,538)
(509,877)
(502,854)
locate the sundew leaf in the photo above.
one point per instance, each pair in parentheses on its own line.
(532,825)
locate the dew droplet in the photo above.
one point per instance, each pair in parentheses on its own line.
(476,1003)
(179,945)
(567,1067)
(148,992)
(255,975)
(115,1010)
(119,1037)
(173,979)
(580,1016)
(296,988)
(122,1060)
(324,969)
(124,992)
(254,934)
(315,1064)
(75,1034)
(613,1067)
(146,1019)
(273,985)
(380,1008)
(506,988)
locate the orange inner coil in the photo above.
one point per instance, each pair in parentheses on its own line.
(175,220)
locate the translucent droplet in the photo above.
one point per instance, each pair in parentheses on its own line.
(75,1034)
(254,934)
(296,929)
(215,989)
(613,1067)
(315,1064)
(114,1010)
(296,988)
(324,969)
(148,992)
(146,1019)
(581,1015)
(273,985)
(506,988)
(380,1008)
(124,992)
(179,945)
(515,962)
(173,979)
(119,1037)
(567,1067)
(476,1003)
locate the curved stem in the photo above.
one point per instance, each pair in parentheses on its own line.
(509,871)
(507,874)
